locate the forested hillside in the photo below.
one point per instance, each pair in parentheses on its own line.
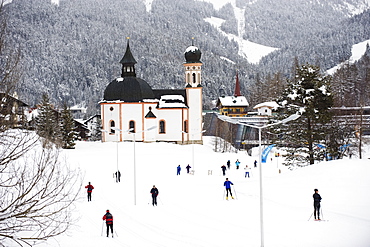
(72,50)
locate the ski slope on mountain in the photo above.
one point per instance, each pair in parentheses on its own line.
(253,52)
(192,210)
(357,51)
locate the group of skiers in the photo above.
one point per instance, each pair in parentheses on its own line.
(108,217)
(178,169)
(237,164)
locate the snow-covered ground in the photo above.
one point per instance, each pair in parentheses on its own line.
(192,210)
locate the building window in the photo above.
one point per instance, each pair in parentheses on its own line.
(112,124)
(111,108)
(162,127)
(132,126)
(194,78)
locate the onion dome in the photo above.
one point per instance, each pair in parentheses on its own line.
(193,54)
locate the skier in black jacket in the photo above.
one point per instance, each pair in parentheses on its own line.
(154,192)
(316,204)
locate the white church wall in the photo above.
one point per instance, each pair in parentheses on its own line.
(111,113)
(195,113)
(173,124)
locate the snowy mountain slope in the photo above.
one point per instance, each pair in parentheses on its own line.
(352,7)
(253,52)
(358,50)
(192,210)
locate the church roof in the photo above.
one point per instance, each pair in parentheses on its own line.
(128,89)
(172,101)
(128,58)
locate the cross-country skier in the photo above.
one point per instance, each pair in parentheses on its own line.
(255,163)
(228,184)
(108,217)
(247,169)
(223,167)
(228,164)
(89,188)
(154,192)
(188,168)
(178,169)
(237,163)
(316,204)
(118,176)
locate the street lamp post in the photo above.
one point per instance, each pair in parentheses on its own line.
(290,118)
(192,147)
(118,130)
(134,139)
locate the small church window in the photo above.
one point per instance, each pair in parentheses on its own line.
(132,126)
(194,78)
(162,127)
(112,124)
(111,108)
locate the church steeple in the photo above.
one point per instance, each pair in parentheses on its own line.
(128,62)
(237,86)
(193,66)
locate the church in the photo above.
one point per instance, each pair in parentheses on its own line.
(132,111)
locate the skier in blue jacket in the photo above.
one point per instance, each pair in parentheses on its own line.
(178,169)
(228,184)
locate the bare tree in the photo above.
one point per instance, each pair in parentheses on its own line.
(37,191)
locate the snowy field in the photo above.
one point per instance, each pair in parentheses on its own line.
(192,210)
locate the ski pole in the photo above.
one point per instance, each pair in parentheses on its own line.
(102,226)
(236,196)
(223,195)
(160,200)
(310,217)
(115,232)
(322,216)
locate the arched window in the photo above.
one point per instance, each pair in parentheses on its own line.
(194,78)
(162,127)
(132,126)
(112,124)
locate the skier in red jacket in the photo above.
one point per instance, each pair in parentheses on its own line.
(89,188)
(108,217)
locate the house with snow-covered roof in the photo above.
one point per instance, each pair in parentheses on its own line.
(266,108)
(233,106)
(132,110)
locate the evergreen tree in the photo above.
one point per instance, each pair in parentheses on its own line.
(309,92)
(47,124)
(69,134)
